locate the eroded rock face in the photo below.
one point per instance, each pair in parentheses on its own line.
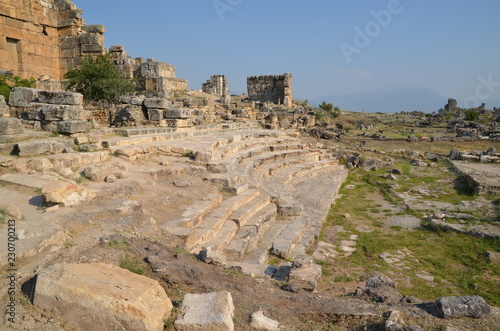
(102,297)
(67,194)
(206,312)
(466,306)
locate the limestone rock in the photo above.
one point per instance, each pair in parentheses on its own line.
(394,321)
(466,306)
(494,257)
(4,109)
(37,147)
(206,312)
(158,103)
(60,97)
(381,289)
(177,113)
(155,115)
(10,126)
(102,297)
(305,273)
(260,322)
(212,257)
(67,194)
(22,96)
(49,112)
(72,126)
(98,172)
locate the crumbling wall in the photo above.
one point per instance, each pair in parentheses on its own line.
(45,37)
(275,89)
(217,85)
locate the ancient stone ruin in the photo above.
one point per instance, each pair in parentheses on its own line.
(217,85)
(274,89)
(45,39)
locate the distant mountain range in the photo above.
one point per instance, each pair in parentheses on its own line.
(387,101)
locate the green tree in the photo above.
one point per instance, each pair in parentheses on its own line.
(471,115)
(98,79)
(7,83)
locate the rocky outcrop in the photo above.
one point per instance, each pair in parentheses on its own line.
(102,297)
(206,312)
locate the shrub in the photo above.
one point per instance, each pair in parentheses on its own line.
(7,83)
(98,79)
(326,110)
(471,115)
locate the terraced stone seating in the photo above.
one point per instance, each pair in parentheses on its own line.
(281,189)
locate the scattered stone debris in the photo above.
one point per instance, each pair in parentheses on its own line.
(66,194)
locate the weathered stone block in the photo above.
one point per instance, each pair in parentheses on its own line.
(466,306)
(94,29)
(33,148)
(10,126)
(22,96)
(50,112)
(158,103)
(102,297)
(206,312)
(72,126)
(155,114)
(178,113)
(67,194)
(4,109)
(60,97)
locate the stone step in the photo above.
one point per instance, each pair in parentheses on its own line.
(239,217)
(44,146)
(36,182)
(73,161)
(269,153)
(129,132)
(318,207)
(248,236)
(197,211)
(208,228)
(312,171)
(269,179)
(243,214)
(248,143)
(285,241)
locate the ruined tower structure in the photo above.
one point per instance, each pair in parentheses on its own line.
(45,37)
(275,89)
(217,85)
(155,76)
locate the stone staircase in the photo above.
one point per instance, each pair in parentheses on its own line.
(282,188)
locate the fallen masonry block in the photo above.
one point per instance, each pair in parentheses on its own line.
(22,96)
(155,114)
(206,312)
(178,113)
(67,194)
(158,103)
(34,148)
(72,126)
(102,297)
(60,97)
(50,112)
(259,321)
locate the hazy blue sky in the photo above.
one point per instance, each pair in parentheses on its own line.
(444,45)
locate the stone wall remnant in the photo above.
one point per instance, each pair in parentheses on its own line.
(275,89)
(45,39)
